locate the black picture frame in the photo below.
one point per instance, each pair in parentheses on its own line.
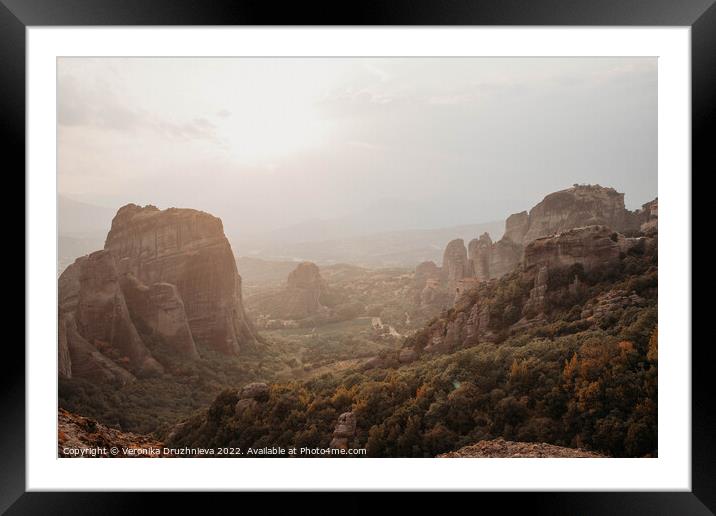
(700,15)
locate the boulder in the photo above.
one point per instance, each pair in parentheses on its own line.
(258,391)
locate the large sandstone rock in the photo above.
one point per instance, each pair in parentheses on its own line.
(590,246)
(581,205)
(516,226)
(102,317)
(649,217)
(492,260)
(165,277)
(455,263)
(187,249)
(298,299)
(303,292)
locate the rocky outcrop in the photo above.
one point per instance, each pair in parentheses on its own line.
(492,260)
(499,448)
(649,217)
(165,278)
(187,249)
(344,431)
(516,227)
(589,246)
(538,293)
(82,437)
(455,263)
(102,317)
(610,303)
(557,271)
(300,298)
(303,292)
(558,212)
(258,391)
(581,205)
(250,396)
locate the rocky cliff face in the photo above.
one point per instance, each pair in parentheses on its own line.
(576,207)
(558,270)
(492,260)
(581,205)
(455,264)
(188,249)
(589,246)
(164,276)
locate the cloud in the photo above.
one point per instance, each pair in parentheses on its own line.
(97,106)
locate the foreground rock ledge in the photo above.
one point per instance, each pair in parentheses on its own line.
(76,433)
(499,448)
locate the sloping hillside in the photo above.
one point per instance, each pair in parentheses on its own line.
(567,358)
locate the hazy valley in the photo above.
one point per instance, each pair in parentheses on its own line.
(543,331)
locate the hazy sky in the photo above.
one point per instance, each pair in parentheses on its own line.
(265,143)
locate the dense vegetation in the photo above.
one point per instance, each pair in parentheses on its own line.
(153,404)
(565,380)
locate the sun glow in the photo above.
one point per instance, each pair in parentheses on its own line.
(266,133)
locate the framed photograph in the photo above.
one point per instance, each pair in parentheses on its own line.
(414,249)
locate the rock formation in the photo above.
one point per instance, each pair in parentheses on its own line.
(300,298)
(558,212)
(77,434)
(344,431)
(455,263)
(188,249)
(589,246)
(649,216)
(510,449)
(250,396)
(581,205)
(492,260)
(424,272)
(538,293)
(165,277)
(561,268)
(303,291)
